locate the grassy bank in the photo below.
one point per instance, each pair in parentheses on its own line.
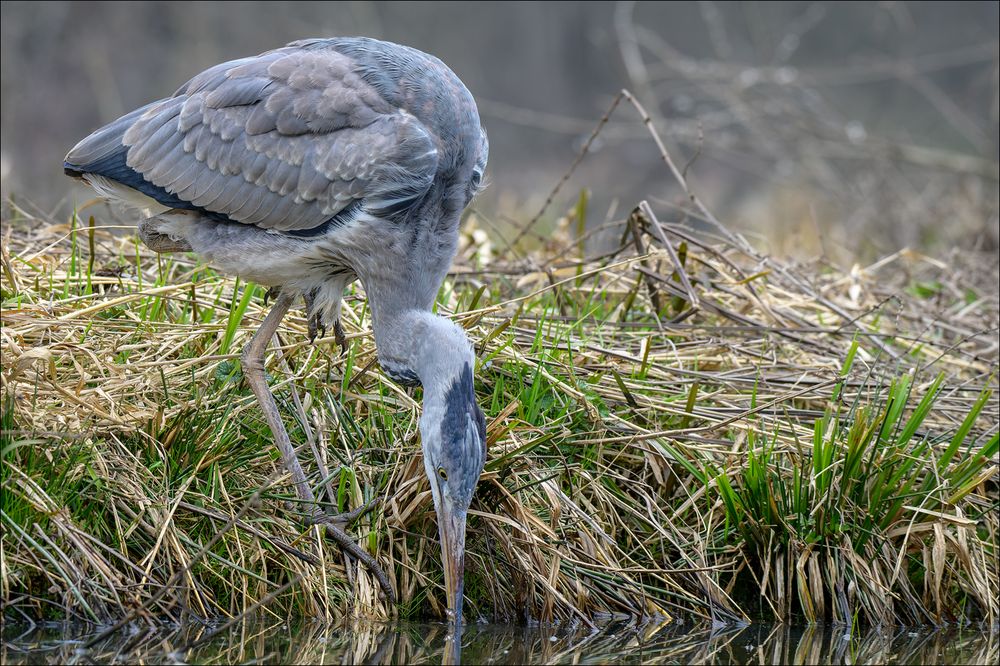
(680,426)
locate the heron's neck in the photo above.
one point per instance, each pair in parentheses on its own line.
(433,349)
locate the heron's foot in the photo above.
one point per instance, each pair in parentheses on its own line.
(338,333)
(345,519)
(158,242)
(335,525)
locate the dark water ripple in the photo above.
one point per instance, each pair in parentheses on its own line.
(414,643)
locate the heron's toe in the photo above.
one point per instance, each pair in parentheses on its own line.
(316,328)
(272,292)
(338,334)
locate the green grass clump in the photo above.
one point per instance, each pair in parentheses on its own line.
(851,521)
(693,429)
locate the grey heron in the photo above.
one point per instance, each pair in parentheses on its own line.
(303,169)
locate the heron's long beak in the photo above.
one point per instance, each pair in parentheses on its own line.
(451,524)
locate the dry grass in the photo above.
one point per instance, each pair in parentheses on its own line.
(652,424)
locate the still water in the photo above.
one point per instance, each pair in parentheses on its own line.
(416,643)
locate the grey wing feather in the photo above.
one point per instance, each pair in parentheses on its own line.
(106,140)
(284,140)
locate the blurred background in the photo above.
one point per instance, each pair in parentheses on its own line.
(848,129)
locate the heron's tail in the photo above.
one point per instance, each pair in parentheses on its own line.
(101,160)
(102,148)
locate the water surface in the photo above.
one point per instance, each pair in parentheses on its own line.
(422,643)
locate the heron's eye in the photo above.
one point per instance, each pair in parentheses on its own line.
(477,178)
(442,473)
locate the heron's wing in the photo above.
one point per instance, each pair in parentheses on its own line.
(285,140)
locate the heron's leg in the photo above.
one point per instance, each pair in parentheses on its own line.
(253,369)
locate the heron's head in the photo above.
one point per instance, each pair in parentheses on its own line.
(453,434)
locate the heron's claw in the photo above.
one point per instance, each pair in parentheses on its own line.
(338,333)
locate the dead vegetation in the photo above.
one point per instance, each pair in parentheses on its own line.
(679,426)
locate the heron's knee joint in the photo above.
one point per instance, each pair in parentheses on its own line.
(252,364)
